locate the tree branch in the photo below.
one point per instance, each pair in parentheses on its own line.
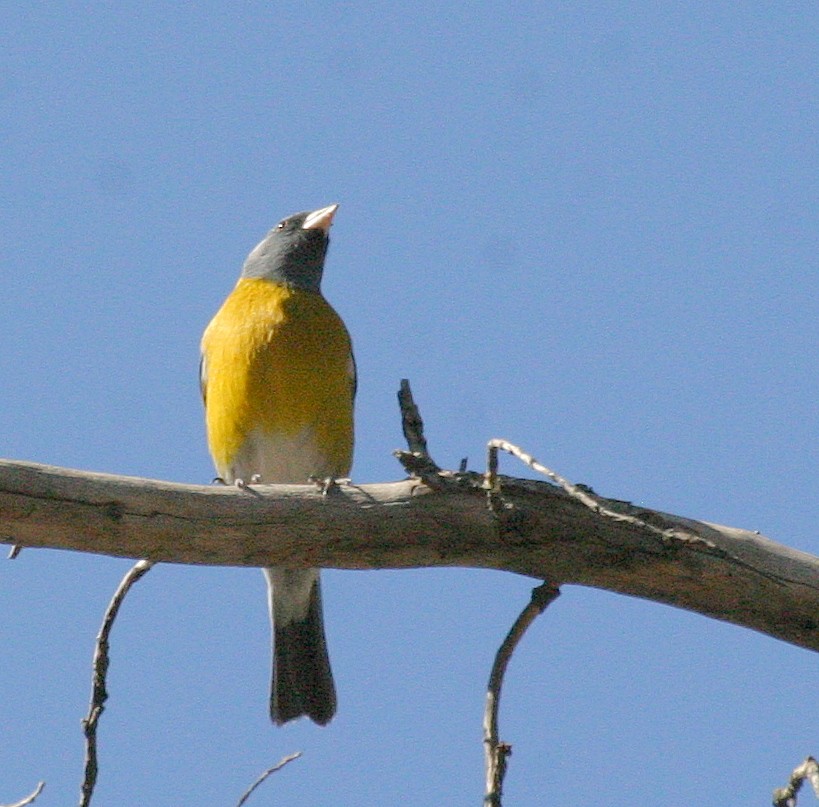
(28,799)
(99,691)
(275,769)
(807,771)
(496,752)
(532,528)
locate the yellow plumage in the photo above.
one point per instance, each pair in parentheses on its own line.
(277,368)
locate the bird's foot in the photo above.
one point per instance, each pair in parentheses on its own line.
(256,479)
(328,484)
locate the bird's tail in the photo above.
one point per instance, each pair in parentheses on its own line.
(302,681)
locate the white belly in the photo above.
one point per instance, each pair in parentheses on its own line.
(277,458)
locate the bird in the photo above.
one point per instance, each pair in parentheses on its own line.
(278,381)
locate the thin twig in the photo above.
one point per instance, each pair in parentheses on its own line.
(579,492)
(28,799)
(808,770)
(576,491)
(495,751)
(583,494)
(99,693)
(277,767)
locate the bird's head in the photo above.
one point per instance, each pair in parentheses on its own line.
(293,251)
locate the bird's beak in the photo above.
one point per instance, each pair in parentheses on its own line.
(320,219)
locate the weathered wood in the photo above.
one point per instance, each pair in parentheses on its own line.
(534,529)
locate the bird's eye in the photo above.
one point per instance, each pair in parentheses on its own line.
(280,225)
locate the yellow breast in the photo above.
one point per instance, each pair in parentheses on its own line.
(277,363)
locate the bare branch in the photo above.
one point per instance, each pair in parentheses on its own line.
(808,770)
(99,693)
(495,751)
(28,799)
(277,767)
(541,531)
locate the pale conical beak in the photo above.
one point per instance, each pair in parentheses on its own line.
(320,219)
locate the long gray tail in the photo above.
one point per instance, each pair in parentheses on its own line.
(302,681)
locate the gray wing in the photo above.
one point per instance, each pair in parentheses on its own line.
(351,370)
(203,379)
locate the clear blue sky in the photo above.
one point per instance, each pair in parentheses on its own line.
(590,228)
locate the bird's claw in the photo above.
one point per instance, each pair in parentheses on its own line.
(328,484)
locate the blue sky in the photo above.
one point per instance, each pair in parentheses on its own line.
(589,228)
